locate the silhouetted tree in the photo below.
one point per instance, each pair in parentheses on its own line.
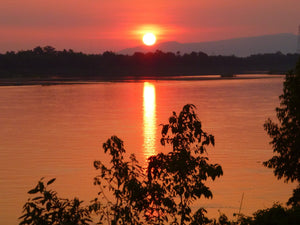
(286,135)
(48,209)
(182,173)
(49,50)
(276,215)
(38,50)
(121,179)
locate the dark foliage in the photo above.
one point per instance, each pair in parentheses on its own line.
(121,179)
(199,218)
(48,63)
(286,135)
(276,215)
(46,208)
(180,175)
(127,195)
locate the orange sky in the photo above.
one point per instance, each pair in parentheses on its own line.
(94,26)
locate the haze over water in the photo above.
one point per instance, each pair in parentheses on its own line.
(57,131)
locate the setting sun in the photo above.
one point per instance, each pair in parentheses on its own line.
(149,39)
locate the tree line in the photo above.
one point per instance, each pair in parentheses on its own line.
(48,63)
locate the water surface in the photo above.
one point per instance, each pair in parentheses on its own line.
(57,131)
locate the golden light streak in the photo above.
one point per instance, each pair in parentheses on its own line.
(149,120)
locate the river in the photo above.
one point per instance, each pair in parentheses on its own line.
(58,130)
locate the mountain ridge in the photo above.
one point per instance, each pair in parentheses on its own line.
(241,47)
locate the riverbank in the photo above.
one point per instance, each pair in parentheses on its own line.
(72,81)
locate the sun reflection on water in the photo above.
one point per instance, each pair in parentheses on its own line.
(149,119)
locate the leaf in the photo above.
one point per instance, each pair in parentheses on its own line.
(48,206)
(33,191)
(41,186)
(212,140)
(165,129)
(51,181)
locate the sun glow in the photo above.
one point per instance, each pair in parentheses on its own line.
(149,39)
(149,120)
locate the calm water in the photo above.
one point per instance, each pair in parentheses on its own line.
(57,131)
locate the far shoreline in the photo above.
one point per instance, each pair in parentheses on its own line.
(74,81)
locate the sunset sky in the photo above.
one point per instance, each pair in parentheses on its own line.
(94,26)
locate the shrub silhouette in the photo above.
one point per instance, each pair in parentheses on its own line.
(286,135)
(130,195)
(124,180)
(48,209)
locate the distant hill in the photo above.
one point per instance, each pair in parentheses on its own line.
(285,43)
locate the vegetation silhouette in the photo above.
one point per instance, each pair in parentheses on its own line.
(124,181)
(286,135)
(163,193)
(181,174)
(47,208)
(44,63)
